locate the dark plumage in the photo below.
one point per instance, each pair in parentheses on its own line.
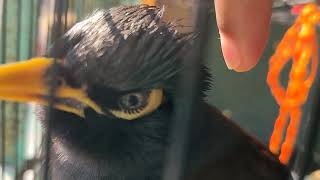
(130,49)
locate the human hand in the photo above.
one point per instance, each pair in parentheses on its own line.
(244,28)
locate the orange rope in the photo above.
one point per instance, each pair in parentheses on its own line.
(298,45)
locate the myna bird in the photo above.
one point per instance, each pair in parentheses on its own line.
(116,75)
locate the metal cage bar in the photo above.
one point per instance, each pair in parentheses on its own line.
(58,28)
(304,155)
(188,87)
(3,55)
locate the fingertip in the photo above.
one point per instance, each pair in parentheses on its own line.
(244,29)
(238,57)
(230,51)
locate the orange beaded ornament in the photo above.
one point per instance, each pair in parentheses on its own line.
(299,44)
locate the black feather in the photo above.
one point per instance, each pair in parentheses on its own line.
(99,48)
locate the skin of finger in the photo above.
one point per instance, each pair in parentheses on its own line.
(246,23)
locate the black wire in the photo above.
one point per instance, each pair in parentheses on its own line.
(32,38)
(3,119)
(34,44)
(49,117)
(15,105)
(304,155)
(66,17)
(57,30)
(19,9)
(40,4)
(175,166)
(3,137)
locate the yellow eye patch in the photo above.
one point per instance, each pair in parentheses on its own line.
(152,102)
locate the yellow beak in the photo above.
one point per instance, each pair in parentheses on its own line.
(24,82)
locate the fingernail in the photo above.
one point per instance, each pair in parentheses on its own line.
(231,53)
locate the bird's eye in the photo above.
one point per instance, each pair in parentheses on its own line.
(138,104)
(133,101)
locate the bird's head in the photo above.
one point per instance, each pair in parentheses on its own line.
(115,76)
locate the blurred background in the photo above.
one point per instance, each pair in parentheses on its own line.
(26,31)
